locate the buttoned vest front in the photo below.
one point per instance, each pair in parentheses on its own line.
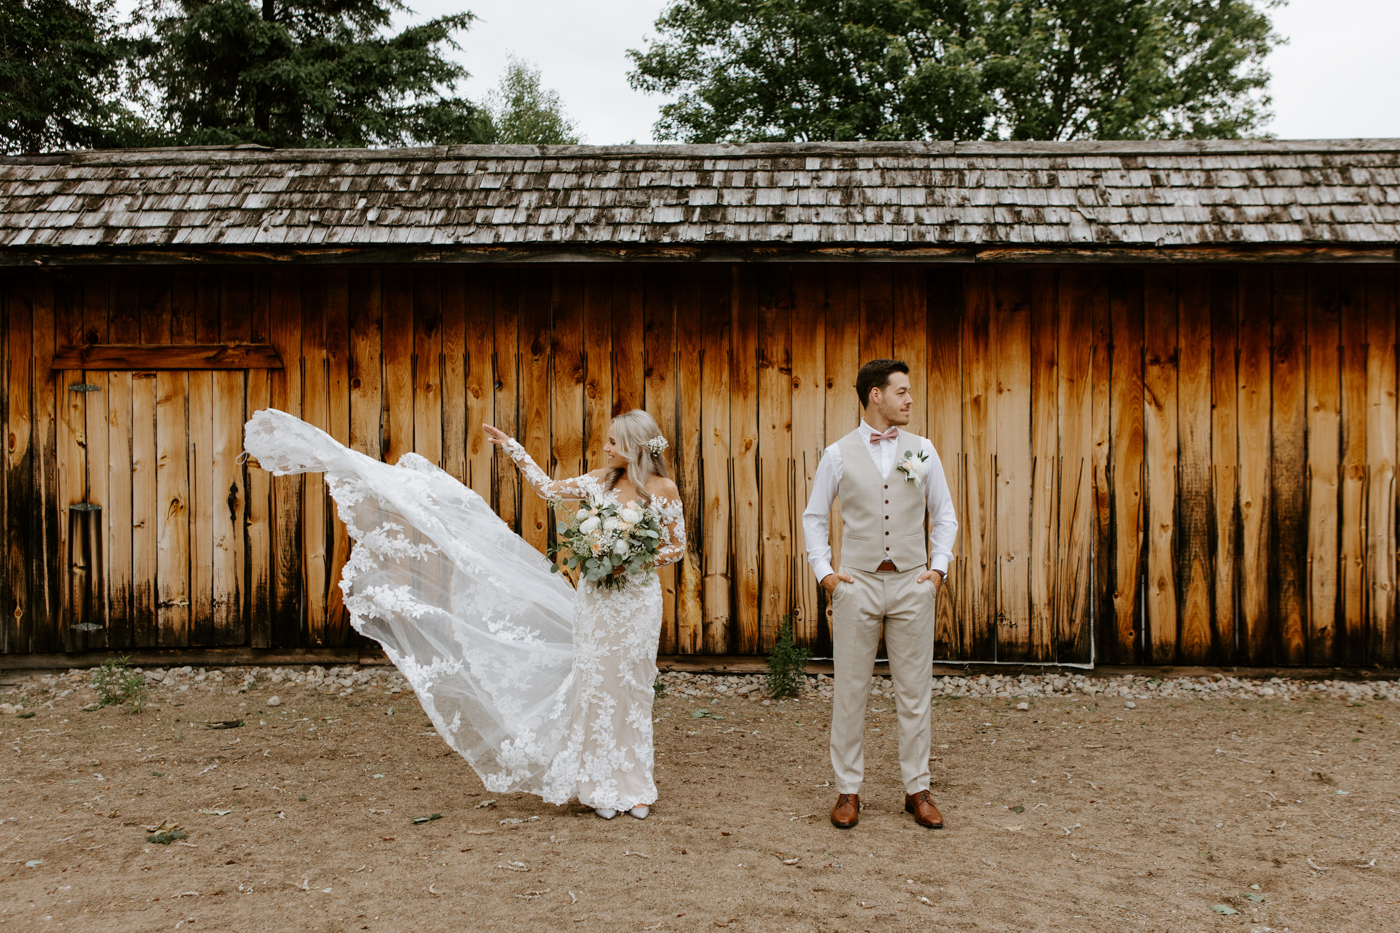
(883,516)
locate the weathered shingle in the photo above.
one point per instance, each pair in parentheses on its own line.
(1041,194)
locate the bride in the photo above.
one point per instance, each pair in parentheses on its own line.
(541,687)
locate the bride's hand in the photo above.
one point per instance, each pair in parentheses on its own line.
(495,435)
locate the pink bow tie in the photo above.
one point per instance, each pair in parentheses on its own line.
(890,435)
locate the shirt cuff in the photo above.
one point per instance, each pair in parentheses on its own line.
(823,570)
(939,563)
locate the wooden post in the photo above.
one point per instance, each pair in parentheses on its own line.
(259,603)
(1046,542)
(1225,454)
(1323,407)
(1073,594)
(690,353)
(1011,496)
(808,436)
(1253,401)
(1193,561)
(534,337)
(1288,603)
(978,606)
(285,392)
(842,404)
(716,367)
(659,327)
(1159,428)
(454,375)
(1104,443)
(97,430)
(945,393)
(1381,552)
(17,625)
(337,349)
(505,364)
(1126,309)
(774,364)
(1351,610)
(743,421)
(315,505)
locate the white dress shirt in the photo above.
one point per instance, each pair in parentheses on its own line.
(816,520)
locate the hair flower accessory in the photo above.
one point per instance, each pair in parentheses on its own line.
(656,445)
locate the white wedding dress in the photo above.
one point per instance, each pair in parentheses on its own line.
(540,687)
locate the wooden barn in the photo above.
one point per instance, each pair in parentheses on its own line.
(1161,375)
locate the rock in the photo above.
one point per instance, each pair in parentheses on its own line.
(1130,705)
(1023,706)
(274,701)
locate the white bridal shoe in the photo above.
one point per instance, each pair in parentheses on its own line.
(640,812)
(605,813)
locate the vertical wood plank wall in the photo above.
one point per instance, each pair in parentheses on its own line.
(1152,465)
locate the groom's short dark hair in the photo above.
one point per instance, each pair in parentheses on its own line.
(876,375)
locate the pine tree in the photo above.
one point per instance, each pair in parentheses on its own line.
(301,73)
(59,68)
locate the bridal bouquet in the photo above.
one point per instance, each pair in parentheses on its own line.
(608,543)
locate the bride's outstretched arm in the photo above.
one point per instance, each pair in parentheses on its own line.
(573,488)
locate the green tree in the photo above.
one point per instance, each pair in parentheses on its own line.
(751,70)
(59,67)
(524,112)
(311,73)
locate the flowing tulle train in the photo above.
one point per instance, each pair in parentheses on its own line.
(467,610)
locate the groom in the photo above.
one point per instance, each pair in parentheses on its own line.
(888,480)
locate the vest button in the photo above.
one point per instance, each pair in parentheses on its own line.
(887,487)
(887,534)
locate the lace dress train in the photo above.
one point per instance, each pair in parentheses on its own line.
(540,687)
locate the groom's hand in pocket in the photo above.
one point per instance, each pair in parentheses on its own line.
(935,576)
(830,580)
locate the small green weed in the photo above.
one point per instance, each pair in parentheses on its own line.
(118,685)
(787,664)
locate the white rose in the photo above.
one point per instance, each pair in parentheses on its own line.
(612,524)
(630,516)
(589,525)
(622,549)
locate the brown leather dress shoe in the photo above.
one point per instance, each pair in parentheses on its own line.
(922,806)
(846,813)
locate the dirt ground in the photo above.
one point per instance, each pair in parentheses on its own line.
(1075,814)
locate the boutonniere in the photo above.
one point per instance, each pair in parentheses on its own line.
(913,466)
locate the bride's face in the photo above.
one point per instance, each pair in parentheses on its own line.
(616,461)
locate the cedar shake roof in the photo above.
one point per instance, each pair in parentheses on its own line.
(814,196)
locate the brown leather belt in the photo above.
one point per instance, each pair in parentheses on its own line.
(887,567)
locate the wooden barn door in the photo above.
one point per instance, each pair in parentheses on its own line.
(152,497)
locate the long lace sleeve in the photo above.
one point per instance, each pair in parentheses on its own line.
(672,515)
(577,487)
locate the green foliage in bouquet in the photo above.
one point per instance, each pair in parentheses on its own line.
(607,544)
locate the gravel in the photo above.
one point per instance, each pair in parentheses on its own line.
(347,680)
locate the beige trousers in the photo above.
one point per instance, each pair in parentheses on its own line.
(905,607)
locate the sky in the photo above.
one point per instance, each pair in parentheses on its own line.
(1337,77)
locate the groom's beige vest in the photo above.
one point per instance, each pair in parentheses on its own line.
(883,516)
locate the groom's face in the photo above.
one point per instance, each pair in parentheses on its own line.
(893,402)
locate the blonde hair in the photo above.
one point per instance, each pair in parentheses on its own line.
(631,432)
